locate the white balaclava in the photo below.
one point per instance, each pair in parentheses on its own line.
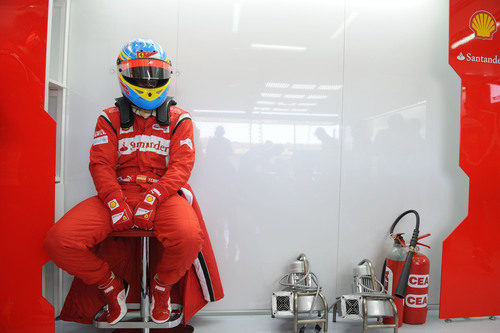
(143,113)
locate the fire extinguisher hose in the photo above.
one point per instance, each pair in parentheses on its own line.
(405,273)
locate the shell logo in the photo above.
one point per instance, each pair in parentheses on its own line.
(146,216)
(483,24)
(149,198)
(112,204)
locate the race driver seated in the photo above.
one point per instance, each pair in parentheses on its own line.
(140,161)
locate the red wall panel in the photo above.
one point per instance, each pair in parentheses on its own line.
(27,155)
(471,255)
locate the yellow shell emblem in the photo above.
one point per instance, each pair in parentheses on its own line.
(483,24)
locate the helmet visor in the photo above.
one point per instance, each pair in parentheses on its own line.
(146,73)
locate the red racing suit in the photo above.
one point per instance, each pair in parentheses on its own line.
(144,151)
(131,161)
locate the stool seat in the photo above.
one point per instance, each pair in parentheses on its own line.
(141,319)
(133,233)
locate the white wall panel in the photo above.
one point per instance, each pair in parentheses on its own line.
(268,187)
(299,149)
(401,130)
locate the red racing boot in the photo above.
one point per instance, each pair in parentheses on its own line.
(160,301)
(115,293)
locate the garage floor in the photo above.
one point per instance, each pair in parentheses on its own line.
(265,324)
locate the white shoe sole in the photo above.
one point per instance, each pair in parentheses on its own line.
(123,304)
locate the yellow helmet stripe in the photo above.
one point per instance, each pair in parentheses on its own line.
(144,92)
(124,56)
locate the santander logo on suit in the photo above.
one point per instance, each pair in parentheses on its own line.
(151,143)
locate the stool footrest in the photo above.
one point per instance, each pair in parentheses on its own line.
(133,319)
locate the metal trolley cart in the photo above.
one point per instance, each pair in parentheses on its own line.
(369,300)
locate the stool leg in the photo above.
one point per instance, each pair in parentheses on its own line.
(145,281)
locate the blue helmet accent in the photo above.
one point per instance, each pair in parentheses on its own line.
(151,49)
(143,97)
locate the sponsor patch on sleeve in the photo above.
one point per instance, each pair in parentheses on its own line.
(99,133)
(141,211)
(150,199)
(100,140)
(113,204)
(117,217)
(155,191)
(187,142)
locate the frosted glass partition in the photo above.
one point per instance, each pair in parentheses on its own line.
(54,109)
(401,131)
(57,41)
(266,98)
(314,130)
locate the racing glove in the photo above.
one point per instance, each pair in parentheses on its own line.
(145,210)
(121,214)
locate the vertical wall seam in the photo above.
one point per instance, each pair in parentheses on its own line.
(341,137)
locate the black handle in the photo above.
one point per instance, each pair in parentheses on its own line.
(403,279)
(411,211)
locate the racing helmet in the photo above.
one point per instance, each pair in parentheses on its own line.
(144,73)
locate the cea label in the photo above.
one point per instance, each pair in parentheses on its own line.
(416,301)
(418,281)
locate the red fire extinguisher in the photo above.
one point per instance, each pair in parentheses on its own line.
(415,309)
(392,271)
